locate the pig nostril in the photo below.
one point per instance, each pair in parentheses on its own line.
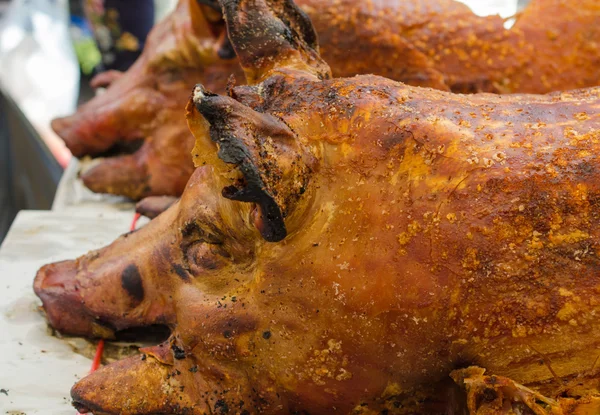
(57,275)
(57,286)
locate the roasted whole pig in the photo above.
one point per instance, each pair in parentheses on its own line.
(355,245)
(433,43)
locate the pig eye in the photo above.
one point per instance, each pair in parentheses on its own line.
(203,249)
(202,257)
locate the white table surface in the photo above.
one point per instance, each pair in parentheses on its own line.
(505,8)
(73,196)
(36,368)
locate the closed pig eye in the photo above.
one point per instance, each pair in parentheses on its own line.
(203,250)
(204,257)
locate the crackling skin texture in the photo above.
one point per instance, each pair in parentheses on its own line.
(355,245)
(430,43)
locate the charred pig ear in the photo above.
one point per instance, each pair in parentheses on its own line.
(272,167)
(268,35)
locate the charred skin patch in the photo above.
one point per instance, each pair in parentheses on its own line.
(301,24)
(226,50)
(192,229)
(278,27)
(178,352)
(181,272)
(221,407)
(131,281)
(194,232)
(234,151)
(273,227)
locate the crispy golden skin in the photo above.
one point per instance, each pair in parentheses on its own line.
(564,35)
(432,43)
(497,395)
(346,244)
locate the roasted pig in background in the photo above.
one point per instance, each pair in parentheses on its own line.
(355,245)
(434,43)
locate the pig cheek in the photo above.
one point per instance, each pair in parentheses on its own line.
(203,257)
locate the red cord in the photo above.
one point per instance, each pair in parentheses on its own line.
(98,356)
(97,359)
(134,222)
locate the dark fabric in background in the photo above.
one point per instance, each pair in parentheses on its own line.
(29,173)
(135,17)
(7,208)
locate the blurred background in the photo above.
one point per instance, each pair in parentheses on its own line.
(49,51)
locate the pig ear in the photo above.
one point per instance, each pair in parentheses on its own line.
(272,168)
(269,35)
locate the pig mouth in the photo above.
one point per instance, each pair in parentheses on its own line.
(121,147)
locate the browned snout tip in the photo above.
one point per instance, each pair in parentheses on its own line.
(64,127)
(56,285)
(122,175)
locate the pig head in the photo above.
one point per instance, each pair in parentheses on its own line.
(346,244)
